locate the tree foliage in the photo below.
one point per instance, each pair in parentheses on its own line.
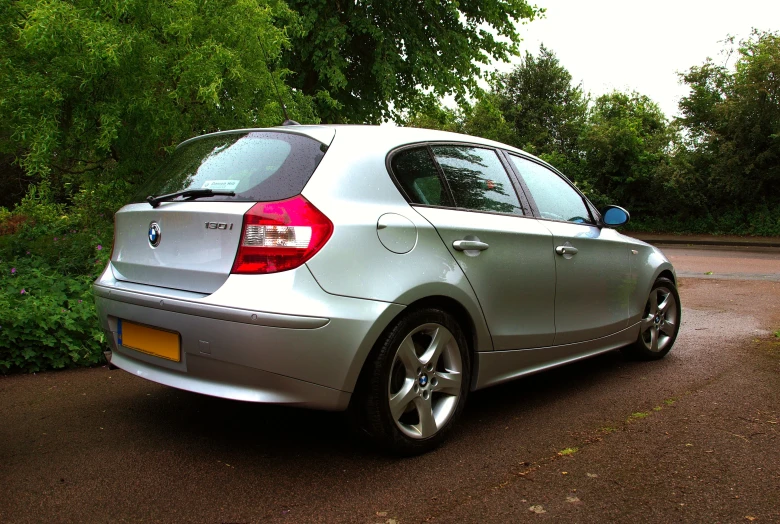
(102,89)
(539,100)
(369,60)
(732,120)
(626,141)
(715,169)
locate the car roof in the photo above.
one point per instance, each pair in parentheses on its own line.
(389,135)
(397,135)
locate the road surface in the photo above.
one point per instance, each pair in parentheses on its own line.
(693,437)
(725,264)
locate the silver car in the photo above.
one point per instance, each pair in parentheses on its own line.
(384,270)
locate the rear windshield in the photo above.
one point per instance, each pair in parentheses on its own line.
(256,166)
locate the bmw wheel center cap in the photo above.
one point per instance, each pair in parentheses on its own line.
(423,380)
(154,234)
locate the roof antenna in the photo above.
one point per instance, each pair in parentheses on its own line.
(287,121)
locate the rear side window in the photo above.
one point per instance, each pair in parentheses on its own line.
(477,179)
(415,171)
(257,166)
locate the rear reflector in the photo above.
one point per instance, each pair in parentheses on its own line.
(278,236)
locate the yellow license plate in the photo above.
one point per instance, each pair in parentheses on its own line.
(157,342)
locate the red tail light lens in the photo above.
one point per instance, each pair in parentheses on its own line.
(278,236)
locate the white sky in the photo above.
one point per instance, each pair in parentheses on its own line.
(631,45)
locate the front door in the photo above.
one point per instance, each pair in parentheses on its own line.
(593,276)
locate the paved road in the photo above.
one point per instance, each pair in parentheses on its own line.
(691,438)
(725,264)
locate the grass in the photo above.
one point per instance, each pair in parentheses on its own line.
(568,452)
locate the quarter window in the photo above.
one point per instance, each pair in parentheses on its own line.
(554,197)
(477,179)
(416,172)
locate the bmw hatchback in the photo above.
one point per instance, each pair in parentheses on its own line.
(384,270)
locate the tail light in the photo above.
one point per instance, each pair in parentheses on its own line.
(278,236)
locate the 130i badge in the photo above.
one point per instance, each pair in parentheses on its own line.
(219,225)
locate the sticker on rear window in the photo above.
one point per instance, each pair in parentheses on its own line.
(228,185)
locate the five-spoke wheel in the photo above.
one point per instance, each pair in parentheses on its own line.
(425,381)
(416,382)
(660,322)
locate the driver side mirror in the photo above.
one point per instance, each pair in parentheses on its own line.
(614,216)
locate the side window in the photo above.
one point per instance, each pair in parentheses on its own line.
(554,197)
(477,179)
(416,172)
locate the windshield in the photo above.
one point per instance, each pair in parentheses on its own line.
(256,166)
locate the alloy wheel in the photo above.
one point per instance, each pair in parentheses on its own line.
(425,381)
(659,322)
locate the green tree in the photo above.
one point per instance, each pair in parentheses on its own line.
(434,115)
(100,90)
(540,102)
(732,122)
(626,141)
(484,118)
(370,60)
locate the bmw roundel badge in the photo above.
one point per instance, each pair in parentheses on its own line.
(154,234)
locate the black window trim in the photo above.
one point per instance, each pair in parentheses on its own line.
(595,216)
(525,202)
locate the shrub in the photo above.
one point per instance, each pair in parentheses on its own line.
(47,314)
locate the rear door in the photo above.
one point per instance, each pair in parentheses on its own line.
(191,245)
(593,277)
(506,255)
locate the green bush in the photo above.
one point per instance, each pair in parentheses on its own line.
(47,266)
(763,221)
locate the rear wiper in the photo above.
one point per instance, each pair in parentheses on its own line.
(190,194)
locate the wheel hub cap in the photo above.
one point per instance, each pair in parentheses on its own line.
(423,381)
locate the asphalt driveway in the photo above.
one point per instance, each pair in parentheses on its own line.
(693,437)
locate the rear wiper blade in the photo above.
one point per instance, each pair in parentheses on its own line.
(191,194)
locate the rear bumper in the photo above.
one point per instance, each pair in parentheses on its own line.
(225,380)
(311,358)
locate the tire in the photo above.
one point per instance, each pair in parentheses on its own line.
(415,383)
(660,322)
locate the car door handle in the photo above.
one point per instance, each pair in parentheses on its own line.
(469,245)
(566,250)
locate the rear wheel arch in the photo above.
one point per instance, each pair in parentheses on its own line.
(461,314)
(446,304)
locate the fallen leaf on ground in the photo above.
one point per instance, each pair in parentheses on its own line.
(538,509)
